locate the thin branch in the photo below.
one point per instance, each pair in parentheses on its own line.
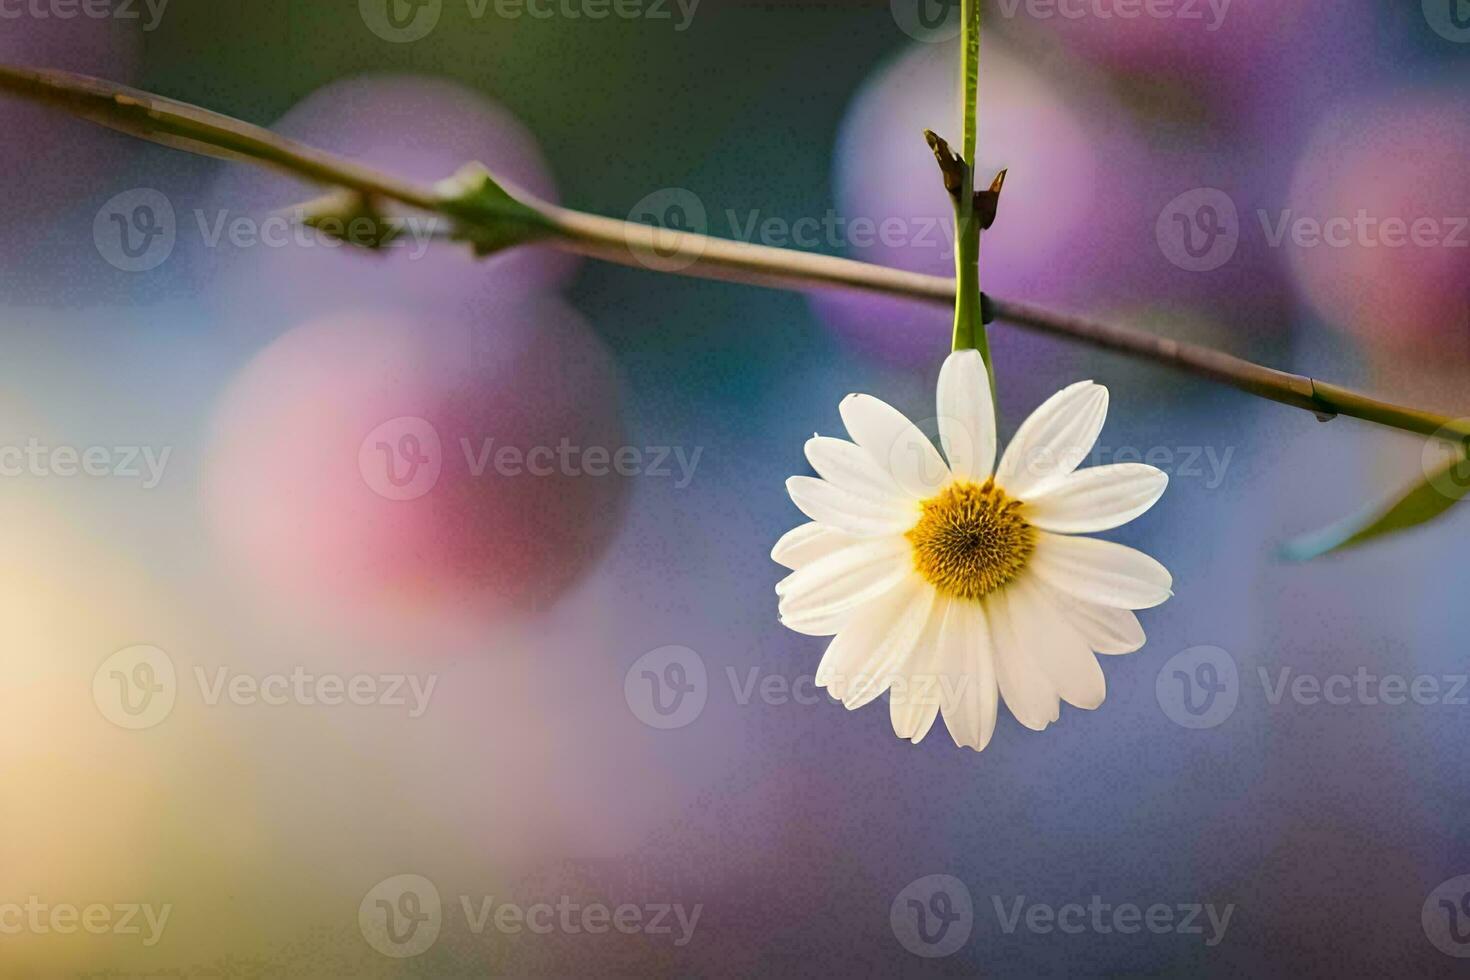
(197,130)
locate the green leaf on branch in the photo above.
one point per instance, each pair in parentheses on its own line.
(350,217)
(1426,500)
(486,215)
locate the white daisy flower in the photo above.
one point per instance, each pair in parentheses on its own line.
(953,586)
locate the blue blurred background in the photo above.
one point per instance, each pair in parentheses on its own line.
(231,383)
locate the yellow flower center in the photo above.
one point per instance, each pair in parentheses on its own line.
(971,540)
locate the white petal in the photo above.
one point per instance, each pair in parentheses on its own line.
(1062,652)
(835,507)
(1096,499)
(848,466)
(805,543)
(843,580)
(971,697)
(828,625)
(1108,630)
(869,638)
(914,704)
(898,637)
(896,443)
(1027,691)
(1103,572)
(1054,440)
(967,416)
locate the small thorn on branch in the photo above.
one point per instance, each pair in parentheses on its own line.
(954,168)
(988,202)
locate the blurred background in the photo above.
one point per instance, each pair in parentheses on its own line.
(351,600)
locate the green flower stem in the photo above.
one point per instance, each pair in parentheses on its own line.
(969,323)
(969,331)
(198,130)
